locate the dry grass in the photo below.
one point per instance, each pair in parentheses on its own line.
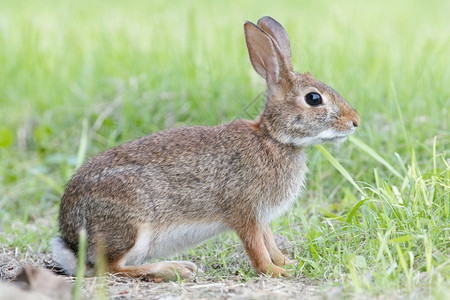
(203,287)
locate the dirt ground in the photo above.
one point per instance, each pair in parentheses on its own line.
(233,287)
(14,286)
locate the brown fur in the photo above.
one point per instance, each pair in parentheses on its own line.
(182,185)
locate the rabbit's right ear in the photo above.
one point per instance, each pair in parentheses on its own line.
(277,32)
(265,54)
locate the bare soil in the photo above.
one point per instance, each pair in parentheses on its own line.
(12,264)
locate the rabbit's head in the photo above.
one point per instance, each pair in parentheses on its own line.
(299,109)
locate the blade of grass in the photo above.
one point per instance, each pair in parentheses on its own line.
(352,213)
(83,144)
(81,269)
(340,168)
(363,146)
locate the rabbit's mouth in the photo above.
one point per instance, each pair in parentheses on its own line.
(327,136)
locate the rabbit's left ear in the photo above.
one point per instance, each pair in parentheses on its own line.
(277,32)
(265,54)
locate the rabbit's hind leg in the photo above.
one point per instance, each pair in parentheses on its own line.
(129,263)
(159,271)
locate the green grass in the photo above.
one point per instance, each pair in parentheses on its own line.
(79,77)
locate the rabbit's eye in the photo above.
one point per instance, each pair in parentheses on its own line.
(313,99)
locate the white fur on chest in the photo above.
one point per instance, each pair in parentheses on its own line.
(152,243)
(287,196)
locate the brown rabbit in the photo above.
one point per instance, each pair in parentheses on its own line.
(160,194)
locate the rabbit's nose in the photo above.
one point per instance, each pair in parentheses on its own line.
(355,118)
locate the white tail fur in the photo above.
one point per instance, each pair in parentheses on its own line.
(64,256)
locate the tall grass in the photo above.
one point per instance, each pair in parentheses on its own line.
(77,77)
(395,236)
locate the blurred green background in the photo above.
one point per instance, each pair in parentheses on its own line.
(78,77)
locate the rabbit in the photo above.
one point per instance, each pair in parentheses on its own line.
(163,193)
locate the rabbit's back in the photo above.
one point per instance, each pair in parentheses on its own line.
(226,174)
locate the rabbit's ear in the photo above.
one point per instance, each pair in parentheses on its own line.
(277,32)
(265,54)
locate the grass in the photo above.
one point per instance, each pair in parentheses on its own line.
(79,77)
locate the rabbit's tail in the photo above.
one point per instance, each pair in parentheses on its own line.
(64,256)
